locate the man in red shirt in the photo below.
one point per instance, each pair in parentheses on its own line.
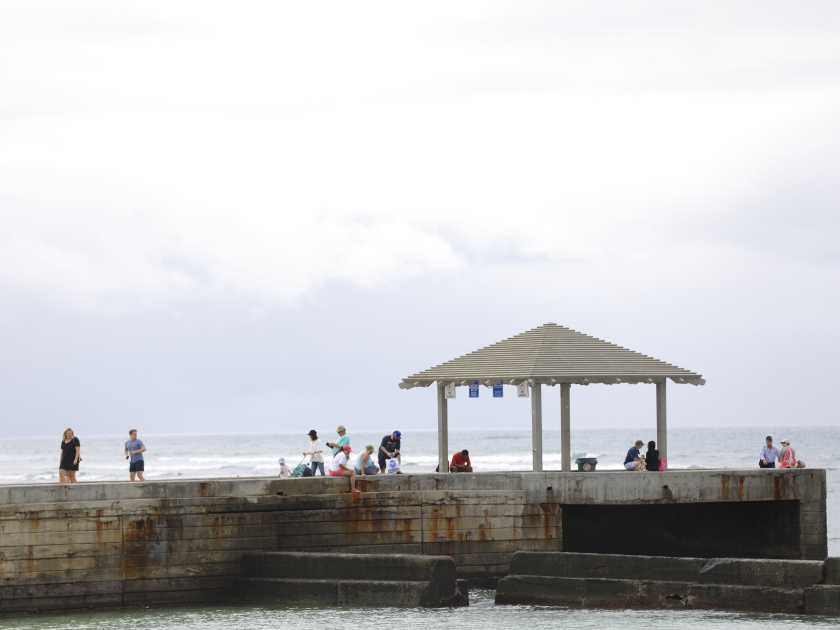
(461,462)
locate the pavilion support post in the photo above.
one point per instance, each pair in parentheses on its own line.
(443,430)
(565,426)
(536,426)
(661,421)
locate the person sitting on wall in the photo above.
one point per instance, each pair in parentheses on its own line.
(787,458)
(768,455)
(461,462)
(339,467)
(634,457)
(652,457)
(364,463)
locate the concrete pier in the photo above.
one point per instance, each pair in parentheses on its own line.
(110,545)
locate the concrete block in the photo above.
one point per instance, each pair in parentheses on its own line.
(776,573)
(284,591)
(176,597)
(394,593)
(832,571)
(529,589)
(593,565)
(822,600)
(350,566)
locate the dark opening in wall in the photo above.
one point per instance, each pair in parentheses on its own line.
(749,529)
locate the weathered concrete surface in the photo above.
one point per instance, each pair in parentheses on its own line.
(644,582)
(778,573)
(596,565)
(341,566)
(626,593)
(118,544)
(349,579)
(822,600)
(832,570)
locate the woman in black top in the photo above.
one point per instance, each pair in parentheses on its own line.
(652,457)
(68,465)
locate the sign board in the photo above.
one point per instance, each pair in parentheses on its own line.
(498,390)
(449,390)
(474,390)
(522,389)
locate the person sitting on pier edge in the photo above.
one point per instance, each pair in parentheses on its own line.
(787,457)
(768,455)
(652,457)
(634,456)
(461,462)
(339,467)
(390,449)
(343,439)
(364,464)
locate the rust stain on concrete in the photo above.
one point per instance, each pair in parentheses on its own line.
(777,487)
(203,489)
(724,487)
(740,488)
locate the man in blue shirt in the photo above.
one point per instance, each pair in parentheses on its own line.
(634,456)
(768,455)
(134,449)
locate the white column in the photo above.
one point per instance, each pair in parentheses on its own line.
(443,430)
(565,426)
(536,426)
(661,421)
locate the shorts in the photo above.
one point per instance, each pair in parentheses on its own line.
(383,463)
(336,473)
(631,465)
(138,466)
(370,470)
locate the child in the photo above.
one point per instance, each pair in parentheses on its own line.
(284,470)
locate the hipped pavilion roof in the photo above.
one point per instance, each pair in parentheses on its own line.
(552,354)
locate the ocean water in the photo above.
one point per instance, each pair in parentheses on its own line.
(35,460)
(482,614)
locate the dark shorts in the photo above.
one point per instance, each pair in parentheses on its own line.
(768,465)
(69,466)
(138,466)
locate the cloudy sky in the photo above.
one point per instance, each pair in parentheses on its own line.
(261,216)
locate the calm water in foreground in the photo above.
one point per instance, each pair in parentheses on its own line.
(35,460)
(482,614)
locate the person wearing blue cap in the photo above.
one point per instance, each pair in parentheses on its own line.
(389,449)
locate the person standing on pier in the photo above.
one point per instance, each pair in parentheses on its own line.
(71,455)
(134,450)
(343,440)
(317,452)
(768,455)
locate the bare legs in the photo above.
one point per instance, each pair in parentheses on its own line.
(139,475)
(352,475)
(67,476)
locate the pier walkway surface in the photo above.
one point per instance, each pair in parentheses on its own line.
(117,544)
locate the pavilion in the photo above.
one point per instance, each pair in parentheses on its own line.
(549,355)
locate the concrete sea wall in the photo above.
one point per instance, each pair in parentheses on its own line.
(104,545)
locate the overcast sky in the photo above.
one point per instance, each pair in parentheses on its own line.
(261,216)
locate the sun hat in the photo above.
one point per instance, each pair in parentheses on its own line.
(312,432)
(347,448)
(340,428)
(784,441)
(397,433)
(282,460)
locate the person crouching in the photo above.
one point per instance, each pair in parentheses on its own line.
(461,462)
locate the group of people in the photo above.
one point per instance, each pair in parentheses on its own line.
(769,455)
(388,457)
(649,461)
(71,456)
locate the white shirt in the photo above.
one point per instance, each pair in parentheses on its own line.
(315,445)
(284,471)
(340,458)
